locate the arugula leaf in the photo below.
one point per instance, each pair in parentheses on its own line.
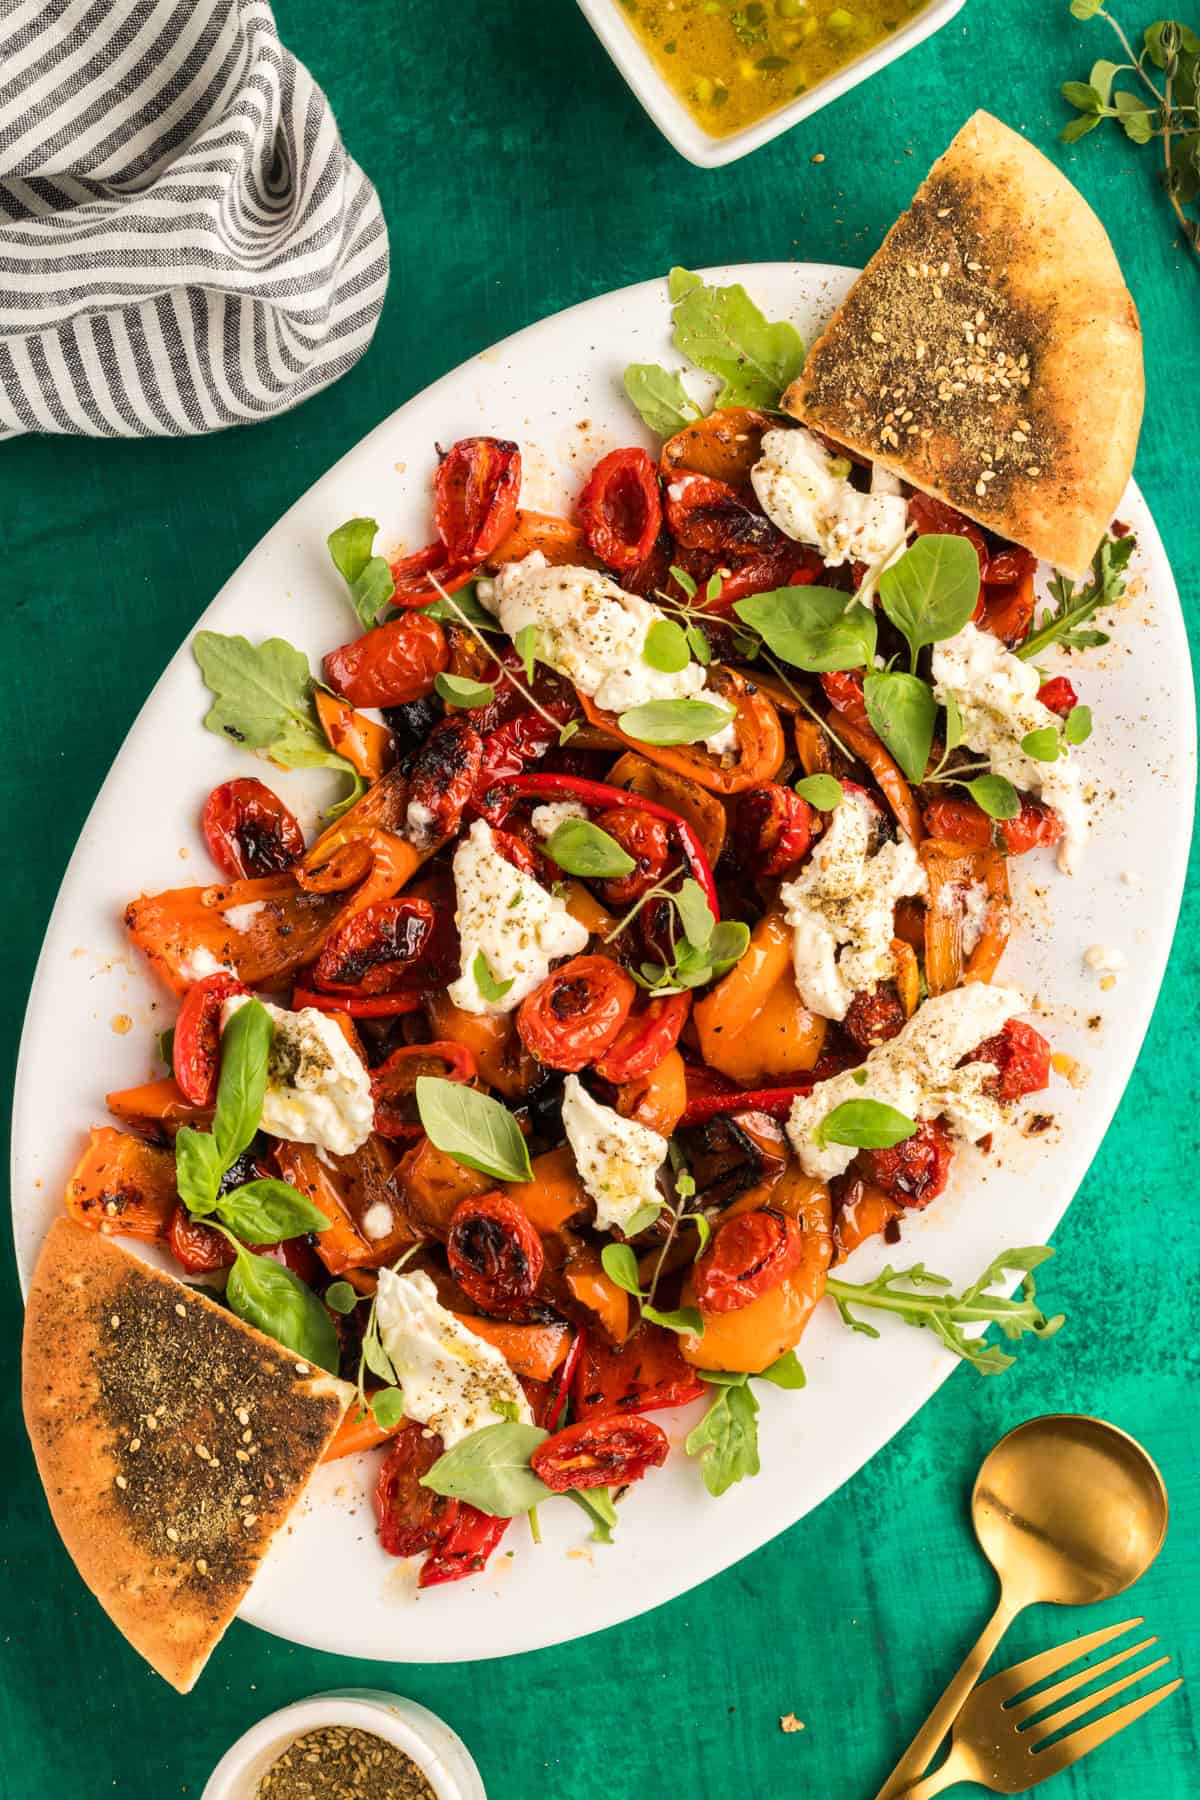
(1073,606)
(265,1294)
(268,1212)
(582,848)
(666,647)
(660,397)
(822,791)
(785,1372)
(996,795)
(458,690)
(948,1315)
(865,1124)
(721,330)
(597,1503)
(931,592)
(902,710)
(726,1439)
(811,628)
(473,1128)
(368,577)
(262,699)
(675,721)
(490,1469)
(491,989)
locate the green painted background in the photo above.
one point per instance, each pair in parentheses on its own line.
(519,176)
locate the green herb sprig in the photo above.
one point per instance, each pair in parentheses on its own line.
(368,577)
(700,952)
(1066,622)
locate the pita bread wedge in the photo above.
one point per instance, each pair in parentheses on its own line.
(990,352)
(173,1441)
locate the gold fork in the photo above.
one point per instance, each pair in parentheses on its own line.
(991,1748)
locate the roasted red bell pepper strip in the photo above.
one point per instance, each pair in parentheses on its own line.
(361,1006)
(465,1548)
(776,1101)
(562,1383)
(599,793)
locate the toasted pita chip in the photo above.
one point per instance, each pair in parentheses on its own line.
(173,1441)
(990,352)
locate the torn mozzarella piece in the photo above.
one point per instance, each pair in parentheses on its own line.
(918,1073)
(997,695)
(512,919)
(594,633)
(618,1159)
(803,491)
(547,819)
(841,908)
(318,1091)
(200,962)
(241,918)
(453,1382)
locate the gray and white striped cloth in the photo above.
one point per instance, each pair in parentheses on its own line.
(184,242)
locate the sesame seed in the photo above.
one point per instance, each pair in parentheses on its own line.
(876,338)
(135,1443)
(243,1456)
(121,1482)
(243,1417)
(151,1422)
(115,1321)
(302,1368)
(172,1534)
(981,488)
(249,1519)
(201,1565)
(201,1452)
(1033,470)
(181,1309)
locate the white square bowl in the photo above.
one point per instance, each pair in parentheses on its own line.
(690,139)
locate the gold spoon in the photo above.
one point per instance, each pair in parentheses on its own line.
(1067,1510)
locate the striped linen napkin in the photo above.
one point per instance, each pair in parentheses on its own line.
(184,242)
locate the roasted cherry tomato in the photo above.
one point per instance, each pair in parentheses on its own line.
(1007,605)
(475,496)
(378,949)
(495,1255)
(513,745)
(935,517)
(703,514)
(465,1548)
(391,665)
(411,1518)
(772,830)
(196,1049)
(249,831)
(1058,695)
(577,1012)
(1022,1057)
(657,927)
(645,1040)
(608,1451)
(414,576)
(393,1082)
(788,565)
(195,1246)
(442,776)
(640,1375)
(915,1171)
(959,821)
(620,508)
(874,1016)
(1036,824)
(644,838)
(748,1256)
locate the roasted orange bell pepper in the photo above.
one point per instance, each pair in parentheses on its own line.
(591,1287)
(280,930)
(558,540)
(657,1100)
(760,741)
(367,747)
(952,869)
(908,975)
(534,1351)
(500,1056)
(725,445)
(155,1103)
(123,1186)
(555,1195)
(358,1432)
(753,1025)
(666,787)
(431,1184)
(755,1336)
(865,1212)
(348,1190)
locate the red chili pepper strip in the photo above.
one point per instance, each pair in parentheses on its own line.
(361,1006)
(776,1101)
(599,793)
(562,1383)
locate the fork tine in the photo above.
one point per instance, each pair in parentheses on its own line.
(1036,1703)
(1068,1750)
(1011,1682)
(1047,1727)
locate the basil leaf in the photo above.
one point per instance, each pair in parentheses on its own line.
(660,397)
(1078,726)
(703,1231)
(666,647)
(462,608)
(1043,745)
(490,1469)
(198,1170)
(683,581)
(262,699)
(954,722)
(268,1212)
(722,331)
(695,914)
(457,690)
(931,592)
(525,645)
(582,848)
(713,586)
(785,1372)
(726,1439)
(491,989)
(675,721)
(341,1297)
(377,1358)
(865,1124)
(265,1294)
(597,1503)
(368,577)
(728,944)
(387,1408)
(686,1322)
(473,1128)
(620,1265)
(813,628)
(245,1059)
(699,645)
(996,795)
(902,710)
(822,791)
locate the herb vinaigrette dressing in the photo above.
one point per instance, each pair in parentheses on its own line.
(733,61)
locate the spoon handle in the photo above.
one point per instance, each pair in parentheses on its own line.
(917,1757)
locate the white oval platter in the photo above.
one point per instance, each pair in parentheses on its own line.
(556,387)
